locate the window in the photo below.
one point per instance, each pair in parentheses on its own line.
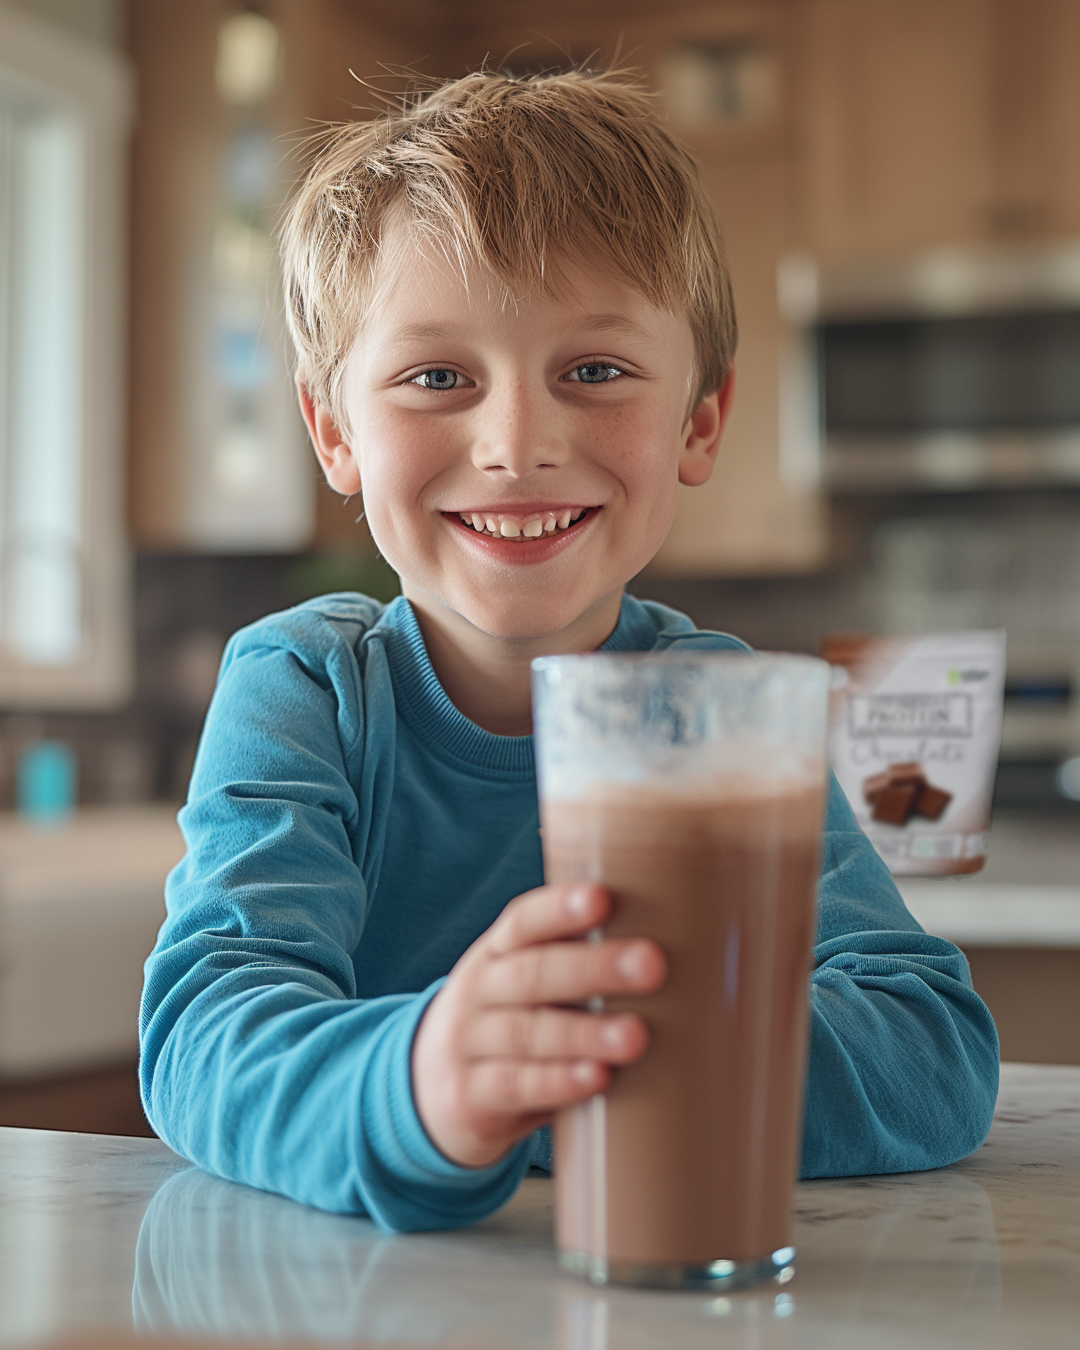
(65,108)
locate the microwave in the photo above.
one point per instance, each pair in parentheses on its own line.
(956,370)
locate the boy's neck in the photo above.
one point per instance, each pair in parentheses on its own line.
(487,678)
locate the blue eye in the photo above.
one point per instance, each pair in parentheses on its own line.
(437,379)
(594,372)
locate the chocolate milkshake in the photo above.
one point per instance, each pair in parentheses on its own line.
(691,785)
(689,1158)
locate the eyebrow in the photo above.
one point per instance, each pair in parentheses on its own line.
(420,332)
(615,323)
(594,323)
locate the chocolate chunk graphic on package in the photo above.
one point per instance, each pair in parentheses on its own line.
(893,804)
(931,802)
(902,791)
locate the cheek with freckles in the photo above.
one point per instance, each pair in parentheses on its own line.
(647,465)
(392,476)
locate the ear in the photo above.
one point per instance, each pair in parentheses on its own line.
(701,435)
(333,453)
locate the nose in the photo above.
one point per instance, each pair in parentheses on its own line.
(519,431)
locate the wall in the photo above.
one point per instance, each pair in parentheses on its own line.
(104,21)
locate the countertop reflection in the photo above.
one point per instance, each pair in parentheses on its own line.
(106,1233)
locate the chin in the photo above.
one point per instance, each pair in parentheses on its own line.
(527,628)
(539,621)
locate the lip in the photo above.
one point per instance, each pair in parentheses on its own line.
(519,508)
(522,550)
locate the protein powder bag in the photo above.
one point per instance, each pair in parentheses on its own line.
(914,734)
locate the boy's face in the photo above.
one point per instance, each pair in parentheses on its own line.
(518,463)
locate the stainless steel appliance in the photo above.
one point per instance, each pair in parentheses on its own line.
(952,370)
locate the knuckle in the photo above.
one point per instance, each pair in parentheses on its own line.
(587,1034)
(543,1033)
(522,1084)
(532,965)
(522,1038)
(509,1083)
(503,934)
(513,928)
(483,1089)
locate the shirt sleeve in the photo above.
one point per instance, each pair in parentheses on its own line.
(258,1060)
(903,1067)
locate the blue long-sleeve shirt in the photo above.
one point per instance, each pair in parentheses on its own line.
(350,834)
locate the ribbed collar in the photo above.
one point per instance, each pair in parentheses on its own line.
(422,701)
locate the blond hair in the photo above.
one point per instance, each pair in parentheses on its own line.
(523,175)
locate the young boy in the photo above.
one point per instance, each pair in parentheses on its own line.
(515,333)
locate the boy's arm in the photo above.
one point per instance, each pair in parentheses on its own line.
(258,1060)
(903,1054)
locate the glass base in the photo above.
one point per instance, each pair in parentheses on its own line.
(779,1266)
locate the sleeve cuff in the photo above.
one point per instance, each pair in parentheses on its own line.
(412,1185)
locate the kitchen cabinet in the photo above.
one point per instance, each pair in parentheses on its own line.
(219,459)
(1035,125)
(101,1100)
(894,128)
(753,516)
(937,123)
(1033,994)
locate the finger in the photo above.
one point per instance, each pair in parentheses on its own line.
(555,1033)
(572,972)
(547,914)
(510,1087)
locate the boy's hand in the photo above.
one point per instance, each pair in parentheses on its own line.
(498,1050)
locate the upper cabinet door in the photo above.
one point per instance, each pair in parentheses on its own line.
(1036,119)
(938,122)
(761,511)
(896,129)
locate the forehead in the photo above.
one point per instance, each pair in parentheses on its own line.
(420,292)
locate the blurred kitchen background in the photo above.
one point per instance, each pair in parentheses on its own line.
(900,191)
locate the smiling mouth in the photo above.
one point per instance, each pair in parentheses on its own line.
(534,525)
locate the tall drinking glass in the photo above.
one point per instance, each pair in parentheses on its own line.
(692,787)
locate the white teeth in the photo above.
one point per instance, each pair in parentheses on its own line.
(512,527)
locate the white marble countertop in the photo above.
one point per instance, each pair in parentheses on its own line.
(107,1234)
